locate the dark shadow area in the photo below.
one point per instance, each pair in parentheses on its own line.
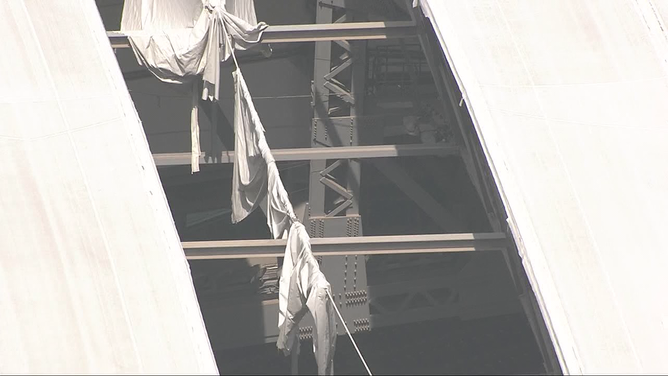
(492,346)
(228,293)
(387,210)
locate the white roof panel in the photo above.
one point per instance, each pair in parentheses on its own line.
(93,278)
(569,100)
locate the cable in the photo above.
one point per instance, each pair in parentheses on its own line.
(349,335)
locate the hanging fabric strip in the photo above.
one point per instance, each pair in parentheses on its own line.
(304,288)
(196,151)
(280,214)
(255,173)
(249,178)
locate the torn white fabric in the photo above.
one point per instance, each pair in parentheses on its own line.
(158,15)
(177,49)
(249,178)
(179,40)
(280,213)
(244,9)
(303,288)
(255,173)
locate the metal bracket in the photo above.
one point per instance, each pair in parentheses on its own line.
(321,227)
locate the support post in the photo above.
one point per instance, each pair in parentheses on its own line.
(334,189)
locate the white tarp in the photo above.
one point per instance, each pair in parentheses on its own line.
(178,40)
(93,278)
(569,100)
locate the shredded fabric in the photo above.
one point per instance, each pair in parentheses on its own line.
(303,288)
(279,209)
(196,151)
(178,40)
(255,175)
(249,178)
(302,285)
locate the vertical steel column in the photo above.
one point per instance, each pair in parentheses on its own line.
(357,88)
(320,103)
(336,124)
(338,101)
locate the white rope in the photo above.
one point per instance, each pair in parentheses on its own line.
(234,57)
(349,335)
(229,38)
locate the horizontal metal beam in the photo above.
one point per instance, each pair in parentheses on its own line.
(339,31)
(313,32)
(309,154)
(363,245)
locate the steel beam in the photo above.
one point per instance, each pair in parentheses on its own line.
(311,154)
(313,32)
(340,246)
